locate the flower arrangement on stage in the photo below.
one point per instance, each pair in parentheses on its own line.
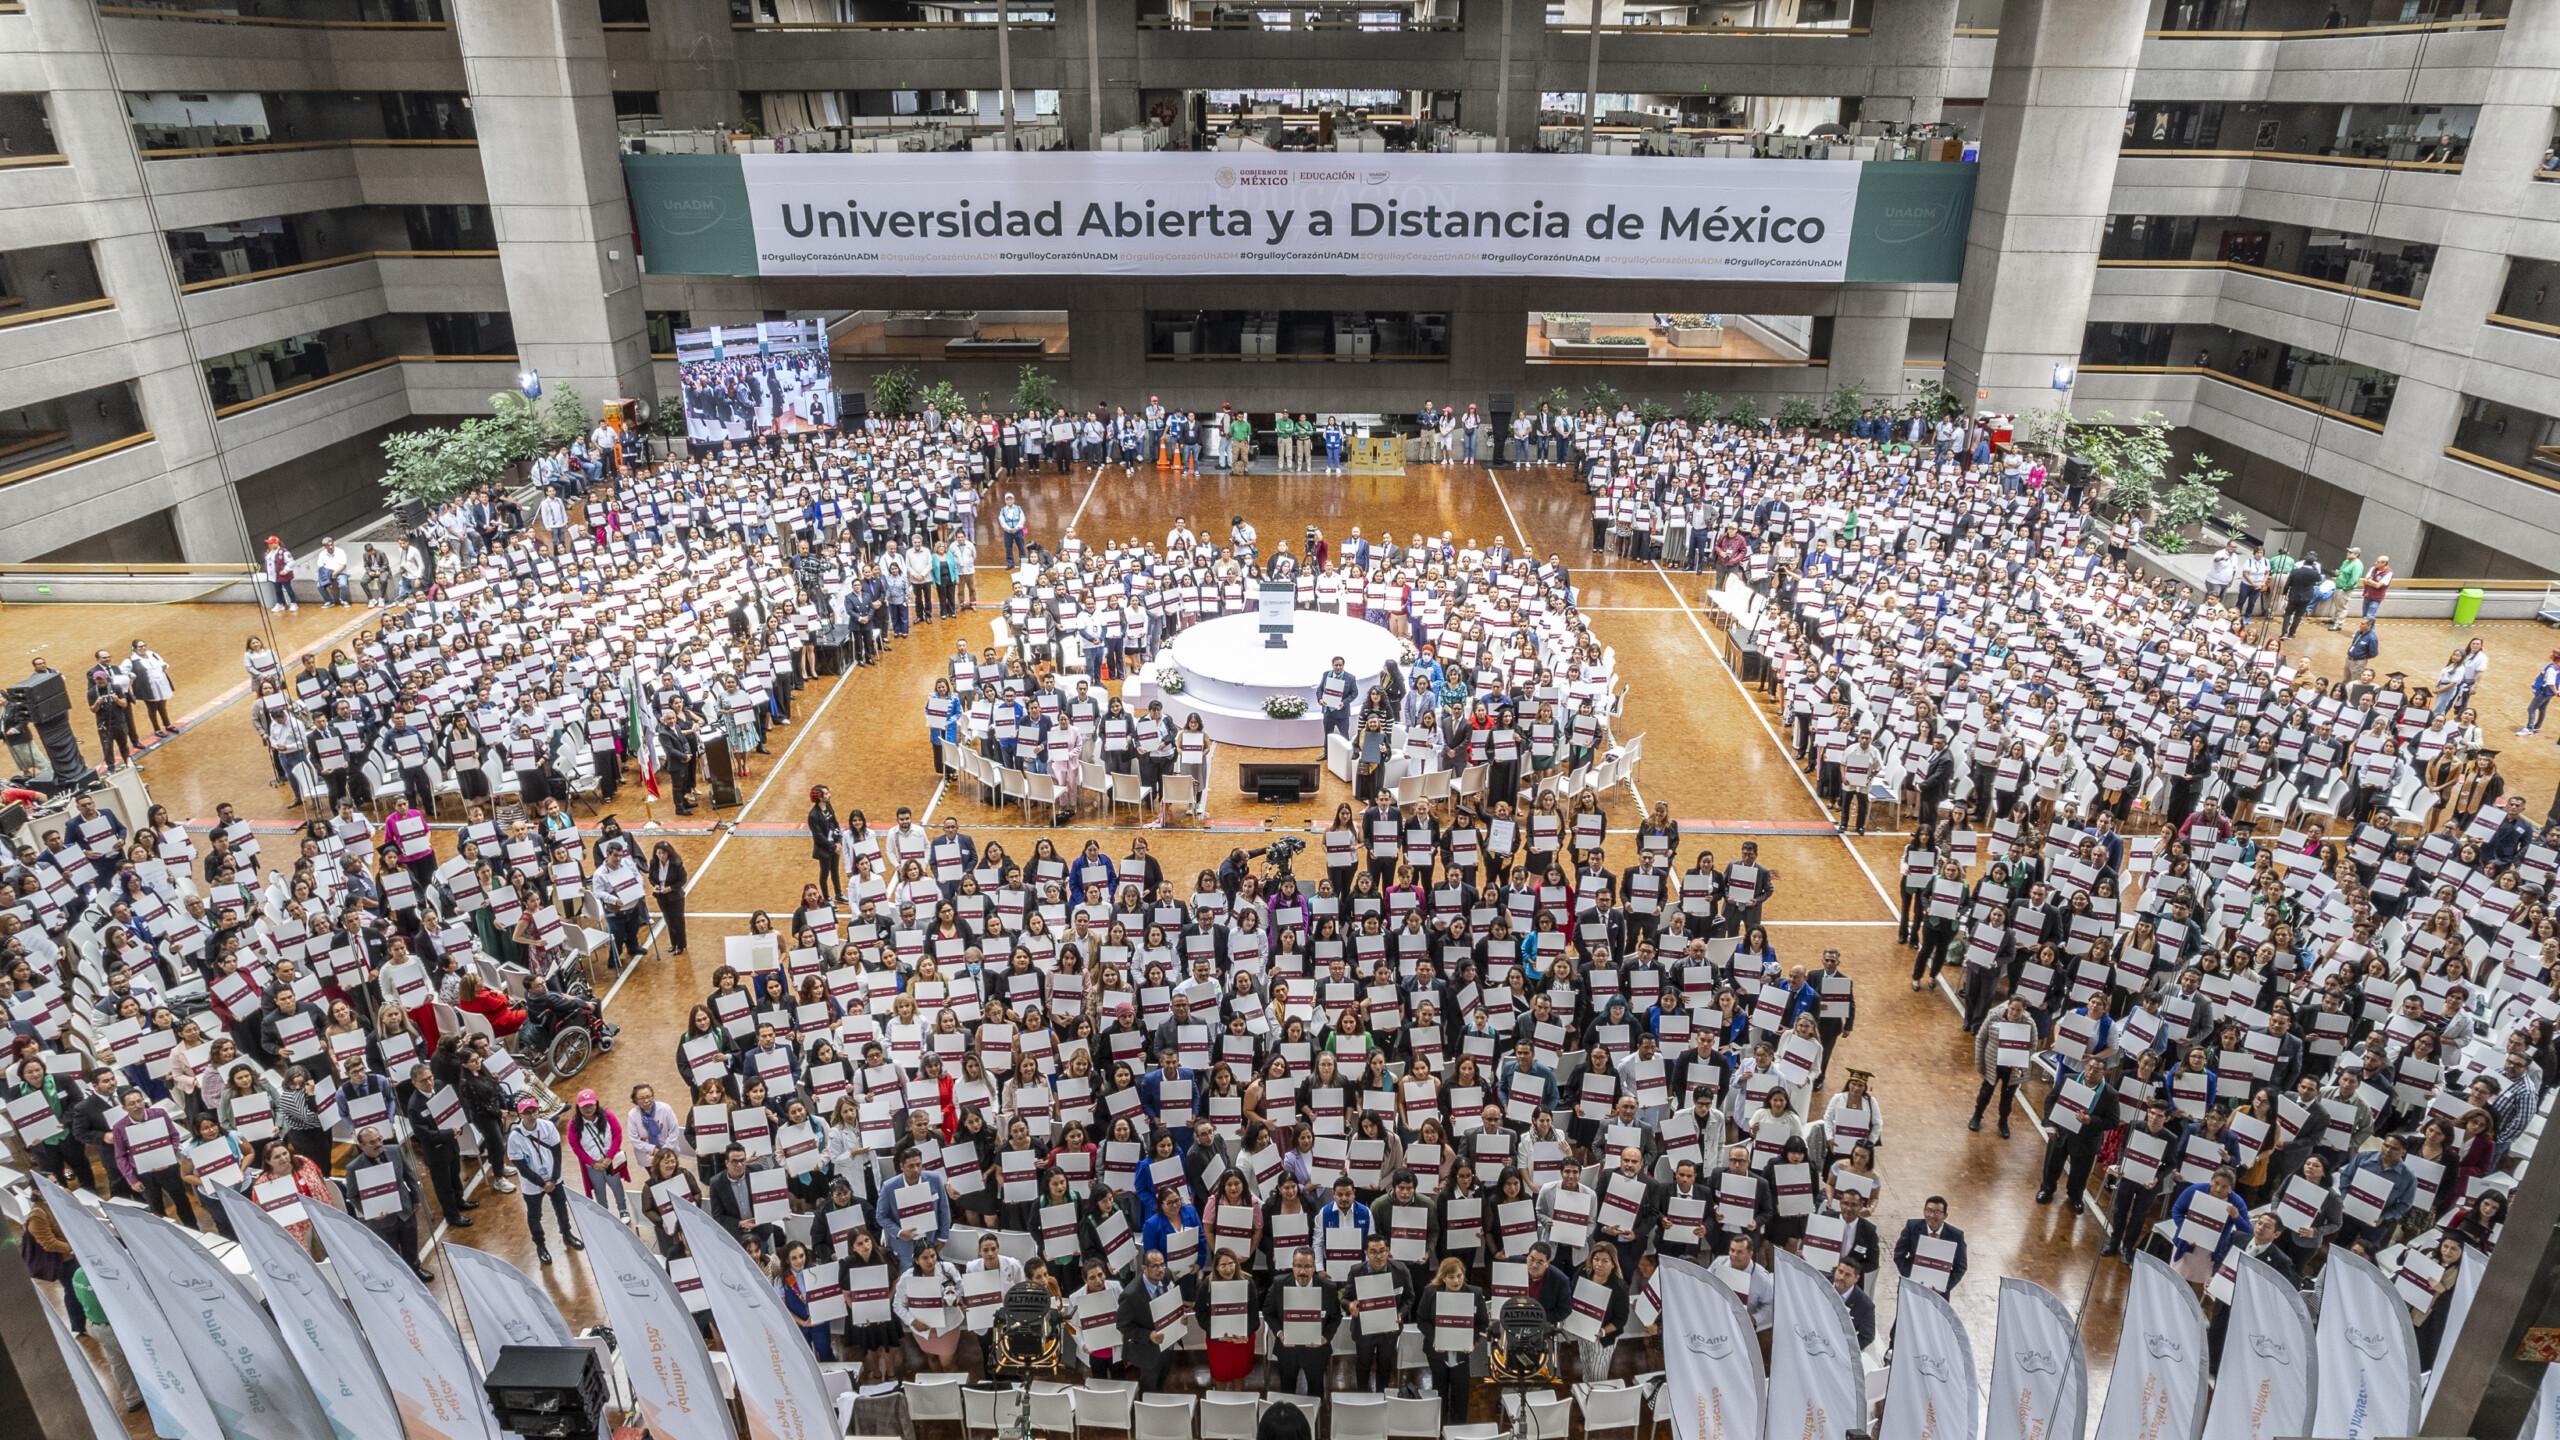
(1406,654)
(1285,707)
(1170,681)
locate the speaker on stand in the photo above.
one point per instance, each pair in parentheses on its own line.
(548,1392)
(39,708)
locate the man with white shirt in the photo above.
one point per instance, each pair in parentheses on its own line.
(904,842)
(1749,1280)
(333,565)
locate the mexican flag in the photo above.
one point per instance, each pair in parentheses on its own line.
(640,736)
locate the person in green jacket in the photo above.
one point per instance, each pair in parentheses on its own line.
(2348,579)
(127,1392)
(1240,436)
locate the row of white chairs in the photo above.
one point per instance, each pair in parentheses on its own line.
(1030,787)
(1115,1406)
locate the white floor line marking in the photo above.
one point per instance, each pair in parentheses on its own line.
(1765,728)
(931,805)
(1089,488)
(1499,494)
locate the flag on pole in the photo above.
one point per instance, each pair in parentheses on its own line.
(249,1377)
(505,1307)
(1817,1378)
(104,1418)
(2545,1424)
(672,1381)
(1931,1394)
(1711,1356)
(179,1407)
(780,1389)
(2039,1379)
(2157,1392)
(2265,1385)
(640,734)
(431,1375)
(316,1326)
(2368,1353)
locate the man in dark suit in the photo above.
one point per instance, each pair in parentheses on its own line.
(1300,1363)
(2265,1243)
(1862,1310)
(1141,1343)
(1632,1181)
(1685,1239)
(1863,1252)
(1936,776)
(1932,1225)
(1728,1185)
(728,1191)
(1373,1354)
(397,1227)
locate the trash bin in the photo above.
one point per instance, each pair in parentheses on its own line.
(2466,606)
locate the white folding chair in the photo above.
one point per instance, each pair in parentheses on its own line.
(1161,1418)
(997,1412)
(1039,790)
(1407,1417)
(1313,1405)
(1182,791)
(1125,790)
(1229,1417)
(1549,1414)
(1053,1408)
(1366,1417)
(1408,791)
(1104,1406)
(1609,1407)
(936,1399)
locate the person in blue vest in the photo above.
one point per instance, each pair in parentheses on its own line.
(1333,444)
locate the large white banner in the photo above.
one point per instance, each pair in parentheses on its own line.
(430,1374)
(2368,1354)
(662,1354)
(2039,1379)
(505,1307)
(106,1421)
(2544,1422)
(314,1322)
(779,1387)
(2466,1288)
(1817,1378)
(256,1390)
(2157,1388)
(2263,1388)
(1711,1353)
(1932,1393)
(1222,213)
(175,1398)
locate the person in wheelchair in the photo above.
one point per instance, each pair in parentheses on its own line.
(548,1012)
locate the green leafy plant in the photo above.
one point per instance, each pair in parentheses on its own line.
(440,462)
(1798,412)
(1842,407)
(1559,399)
(1936,401)
(1741,412)
(1623,342)
(894,391)
(666,418)
(1602,396)
(944,399)
(1652,412)
(1698,407)
(2046,427)
(2130,461)
(1034,393)
(525,428)
(2189,503)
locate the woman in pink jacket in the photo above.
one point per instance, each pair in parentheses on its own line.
(595,1137)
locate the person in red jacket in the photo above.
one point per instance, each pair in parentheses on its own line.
(503,1018)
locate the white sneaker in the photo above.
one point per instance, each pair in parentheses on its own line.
(503,1185)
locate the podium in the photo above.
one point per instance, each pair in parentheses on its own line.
(720,772)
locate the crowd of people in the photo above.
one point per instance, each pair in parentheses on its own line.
(1349,1101)
(2308,1004)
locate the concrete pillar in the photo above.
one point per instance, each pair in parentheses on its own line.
(542,98)
(1920,36)
(2060,80)
(1867,349)
(2383,530)
(696,56)
(1097,49)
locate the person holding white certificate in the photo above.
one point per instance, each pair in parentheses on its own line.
(1452,1315)
(1303,1309)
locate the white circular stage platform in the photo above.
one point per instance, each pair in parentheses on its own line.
(1230,671)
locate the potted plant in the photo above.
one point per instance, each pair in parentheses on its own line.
(893,391)
(1566,327)
(2188,506)
(1171,681)
(1696,332)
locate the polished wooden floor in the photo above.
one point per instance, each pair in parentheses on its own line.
(1709,752)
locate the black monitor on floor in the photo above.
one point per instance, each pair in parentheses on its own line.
(1277,782)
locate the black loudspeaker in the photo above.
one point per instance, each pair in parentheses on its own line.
(720,771)
(44,695)
(835,649)
(413,516)
(547,1392)
(2077,472)
(41,705)
(1276,782)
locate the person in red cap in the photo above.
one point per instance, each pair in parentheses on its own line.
(278,565)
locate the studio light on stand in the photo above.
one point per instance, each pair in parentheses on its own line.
(1029,1342)
(1523,1355)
